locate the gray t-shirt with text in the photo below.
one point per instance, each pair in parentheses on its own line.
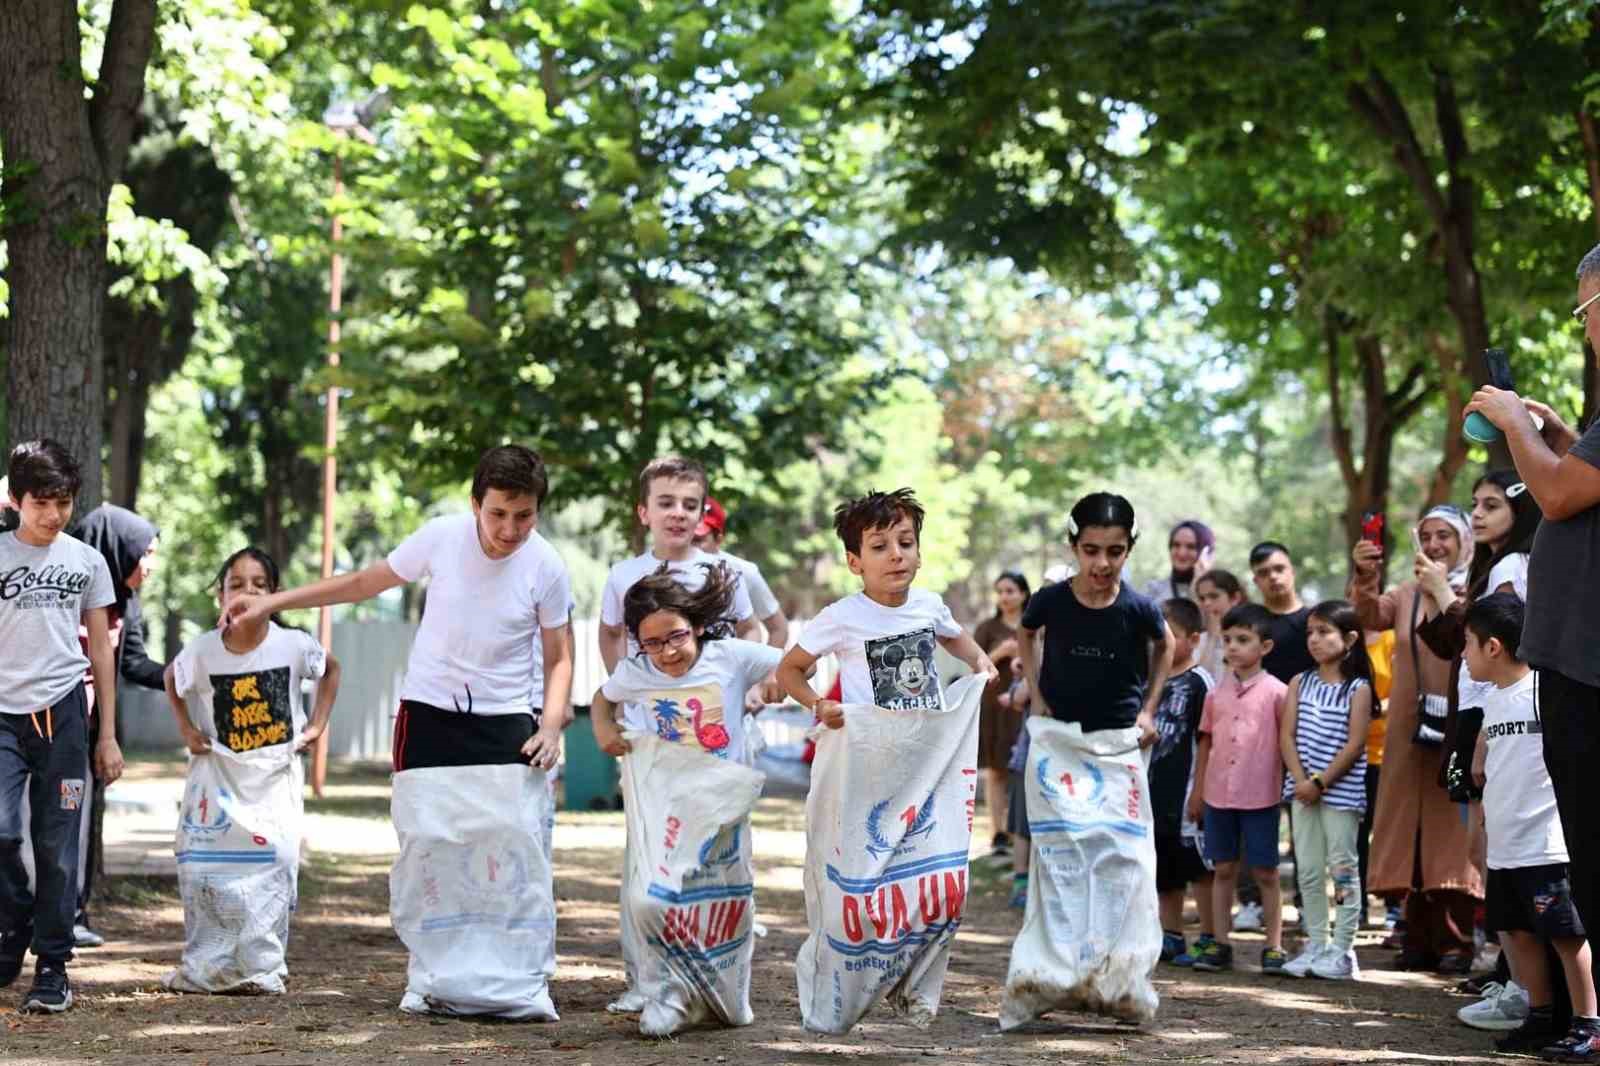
(1561,631)
(43,594)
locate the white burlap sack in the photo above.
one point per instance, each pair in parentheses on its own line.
(1092,932)
(688,882)
(888,827)
(238,850)
(471,895)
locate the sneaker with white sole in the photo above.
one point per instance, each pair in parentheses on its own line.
(51,992)
(1336,965)
(1300,965)
(1503,1008)
(1249,918)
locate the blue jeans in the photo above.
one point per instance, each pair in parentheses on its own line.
(51,761)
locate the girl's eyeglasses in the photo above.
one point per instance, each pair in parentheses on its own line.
(656,646)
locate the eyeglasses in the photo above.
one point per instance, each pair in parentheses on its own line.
(1581,312)
(671,640)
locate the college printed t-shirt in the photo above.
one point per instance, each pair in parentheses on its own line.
(690,573)
(1245,770)
(1095,661)
(1183,700)
(474,648)
(1562,626)
(1322,727)
(1289,655)
(762,601)
(248,701)
(885,653)
(703,708)
(1519,801)
(43,594)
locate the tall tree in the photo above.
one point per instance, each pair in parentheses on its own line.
(64,144)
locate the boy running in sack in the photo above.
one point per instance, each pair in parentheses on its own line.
(1179,864)
(1529,892)
(48,583)
(1238,782)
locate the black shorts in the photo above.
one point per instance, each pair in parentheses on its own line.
(1532,899)
(1178,863)
(429,736)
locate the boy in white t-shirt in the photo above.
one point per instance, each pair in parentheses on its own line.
(884,635)
(672,499)
(1529,897)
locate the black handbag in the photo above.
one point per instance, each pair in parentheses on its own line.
(1432,711)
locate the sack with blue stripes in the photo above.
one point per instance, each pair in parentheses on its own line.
(238,851)
(888,827)
(1091,934)
(471,894)
(689,891)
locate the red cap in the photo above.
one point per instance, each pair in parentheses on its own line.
(715,520)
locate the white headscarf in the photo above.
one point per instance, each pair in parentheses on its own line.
(1457,520)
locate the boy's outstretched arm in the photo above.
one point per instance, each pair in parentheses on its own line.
(966,649)
(343,588)
(798,665)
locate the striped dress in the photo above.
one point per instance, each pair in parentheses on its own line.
(1321,730)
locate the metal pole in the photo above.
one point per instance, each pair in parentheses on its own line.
(330,462)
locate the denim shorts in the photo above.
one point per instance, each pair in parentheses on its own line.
(1259,829)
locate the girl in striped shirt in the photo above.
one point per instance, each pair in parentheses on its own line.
(1324,737)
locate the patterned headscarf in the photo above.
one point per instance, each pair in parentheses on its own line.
(1457,520)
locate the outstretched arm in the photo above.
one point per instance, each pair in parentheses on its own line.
(344,588)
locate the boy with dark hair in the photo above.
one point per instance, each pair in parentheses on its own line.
(1239,781)
(1171,776)
(885,634)
(1529,893)
(1273,570)
(49,582)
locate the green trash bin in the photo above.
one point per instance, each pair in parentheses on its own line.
(591,776)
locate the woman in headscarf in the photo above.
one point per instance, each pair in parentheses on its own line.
(1190,547)
(128,544)
(1419,836)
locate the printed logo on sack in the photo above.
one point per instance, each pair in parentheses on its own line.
(72,794)
(495,871)
(919,822)
(1082,799)
(204,818)
(722,849)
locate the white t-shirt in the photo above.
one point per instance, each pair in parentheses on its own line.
(475,645)
(44,592)
(762,601)
(249,701)
(536,684)
(1513,569)
(690,572)
(704,707)
(1519,801)
(885,653)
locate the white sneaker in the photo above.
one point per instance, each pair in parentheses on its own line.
(1248,920)
(1336,965)
(1502,1008)
(1300,965)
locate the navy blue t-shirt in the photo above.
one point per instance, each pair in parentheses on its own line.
(1096,660)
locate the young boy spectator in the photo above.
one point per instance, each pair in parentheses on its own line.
(49,582)
(1171,775)
(884,635)
(1239,781)
(1529,895)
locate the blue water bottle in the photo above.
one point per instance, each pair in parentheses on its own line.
(1477,427)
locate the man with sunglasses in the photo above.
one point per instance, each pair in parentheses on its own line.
(1561,634)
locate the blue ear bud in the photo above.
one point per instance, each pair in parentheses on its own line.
(1480,429)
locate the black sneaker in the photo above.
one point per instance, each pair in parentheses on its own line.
(13,946)
(1273,961)
(51,993)
(1533,1035)
(1215,958)
(1581,1044)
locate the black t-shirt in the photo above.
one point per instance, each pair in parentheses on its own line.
(1096,660)
(1183,699)
(1289,654)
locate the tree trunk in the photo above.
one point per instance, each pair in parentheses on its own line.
(62,154)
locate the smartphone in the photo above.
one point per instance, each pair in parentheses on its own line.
(1416,540)
(1372,527)
(1499,368)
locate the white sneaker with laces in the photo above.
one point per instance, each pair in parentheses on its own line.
(1504,1007)
(1336,965)
(1249,918)
(1300,965)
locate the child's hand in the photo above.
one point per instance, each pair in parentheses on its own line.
(1195,809)
(1003,700)
(543,748)
(609,739)
(830,713)
(241,610)
(1307,793)
(107,760)
(302,743)
(198,743)
(987,667)
(1147,729)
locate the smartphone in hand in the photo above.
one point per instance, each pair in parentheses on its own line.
(1498,367)
(1372,527)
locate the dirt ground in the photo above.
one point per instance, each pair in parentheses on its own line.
(348,973)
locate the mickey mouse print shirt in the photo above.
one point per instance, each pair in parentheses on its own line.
(885,653)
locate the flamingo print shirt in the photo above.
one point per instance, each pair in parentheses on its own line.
(704,707)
